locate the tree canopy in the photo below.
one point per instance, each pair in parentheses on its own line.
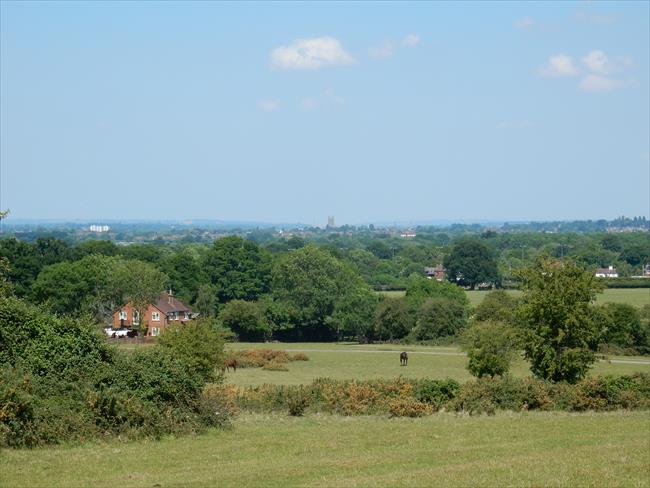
(237,269)
(470,263)
(557,312)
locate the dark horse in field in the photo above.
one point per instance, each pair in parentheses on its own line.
(403,359)
(231,363)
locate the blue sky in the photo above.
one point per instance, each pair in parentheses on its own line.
(291,112)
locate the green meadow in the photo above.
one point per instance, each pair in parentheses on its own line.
(524,449)
(364,361)
(633,296)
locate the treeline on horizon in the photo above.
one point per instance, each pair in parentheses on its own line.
(204,230)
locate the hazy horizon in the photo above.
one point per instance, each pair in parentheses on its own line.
(281,112)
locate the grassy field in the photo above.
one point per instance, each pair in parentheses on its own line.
(634,296)
(363,361)
(523,449)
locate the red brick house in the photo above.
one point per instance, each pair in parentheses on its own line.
(438,272)
(166,311)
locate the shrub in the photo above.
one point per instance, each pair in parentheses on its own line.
(69,385)
(259,358)
(16,408)
(491,347)
(297,401)
(217,405)
(610,392)
(404,397)
(408,407)
(436,392)
(275,365)
(159,376)
(198,344)
(49,346)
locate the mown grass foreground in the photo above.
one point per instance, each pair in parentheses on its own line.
(523,449)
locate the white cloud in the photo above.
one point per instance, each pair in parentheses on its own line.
(313,53)
(598,62)
(524,23)
(411,40)
(597,84)
(559,65)
(601,74)
(385,50)
(270,105)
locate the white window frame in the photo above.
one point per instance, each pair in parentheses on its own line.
(124,315)
(173,315)
(186,316)
(155,331)
(136,317)
(155,316)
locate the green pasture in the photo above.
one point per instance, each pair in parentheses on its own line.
(633,296)
(363,361)
(508,449)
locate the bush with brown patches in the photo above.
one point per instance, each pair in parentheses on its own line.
(408,407)
(260,358)
(410,397)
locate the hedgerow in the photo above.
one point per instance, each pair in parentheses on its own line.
(410,397)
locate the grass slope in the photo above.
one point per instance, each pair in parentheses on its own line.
(529,449)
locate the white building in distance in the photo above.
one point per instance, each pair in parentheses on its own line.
(99,228)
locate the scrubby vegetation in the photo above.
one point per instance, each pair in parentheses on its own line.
(272,359)
(413,398)
(60,381)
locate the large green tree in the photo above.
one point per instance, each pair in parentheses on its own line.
(470,263)
(184,273)
(393,319)
(238,269)
(439,317)
(246,319)
(320,292)
(622,326)
(420,289)
(558,318)
(98,285)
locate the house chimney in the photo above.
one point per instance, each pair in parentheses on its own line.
(611,267)
(169,296)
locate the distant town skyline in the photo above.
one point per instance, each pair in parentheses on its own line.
(284,112)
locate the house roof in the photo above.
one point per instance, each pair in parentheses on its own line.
(168,303)
(606,271)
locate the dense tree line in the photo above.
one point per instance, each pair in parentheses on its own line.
(297,289)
